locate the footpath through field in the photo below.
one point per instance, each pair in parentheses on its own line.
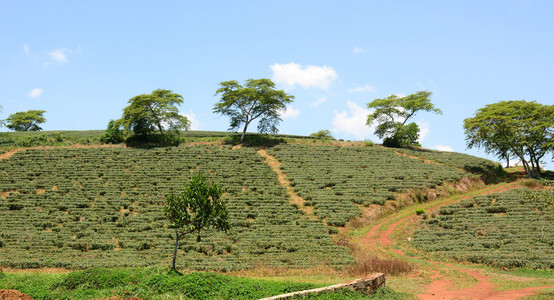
(381,239)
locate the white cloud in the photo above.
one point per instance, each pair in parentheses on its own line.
(292,74)
(194,123)
(353,122)
(26,49)
(289,112)
(59,55)
(318,102)
(423,130)
(358,50)
(35,93)
(364,88)
(443,148)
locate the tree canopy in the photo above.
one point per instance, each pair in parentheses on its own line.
(322,135)
(26,120)
(1,121)
(148,113)
(197,206)
(517,127)
(258,98)
(392,113)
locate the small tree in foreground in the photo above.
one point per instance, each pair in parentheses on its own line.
(197,206)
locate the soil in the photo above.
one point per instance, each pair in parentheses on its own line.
(275,165)
(443,287)
(13,295)
(17,295)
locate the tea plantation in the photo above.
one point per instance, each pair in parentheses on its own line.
(103,207)
(510,229)
(336,180)
(78,208)
(488,169)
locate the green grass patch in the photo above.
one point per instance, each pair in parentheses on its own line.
(161,284)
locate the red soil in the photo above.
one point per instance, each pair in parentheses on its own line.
(441,288)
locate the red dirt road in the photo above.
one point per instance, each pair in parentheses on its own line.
(442,287)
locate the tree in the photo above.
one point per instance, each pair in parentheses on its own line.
(404,136)
(112,135)
(322,135)
(26,120)
(519,128)
(198,206)
(156,111)
(1,121)
(392,113)
(256,99)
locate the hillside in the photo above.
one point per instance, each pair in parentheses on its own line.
(509,229)
(103,206)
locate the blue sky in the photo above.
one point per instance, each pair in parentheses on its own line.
(82,60)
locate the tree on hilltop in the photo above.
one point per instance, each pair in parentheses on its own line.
(256,99)
(519,128)
(1,121)
(26,120)
(148,113)
(391,115)
(322,135)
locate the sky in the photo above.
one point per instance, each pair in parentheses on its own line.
(82,61)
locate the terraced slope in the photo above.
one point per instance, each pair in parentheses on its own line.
(336,180)
(490,170)
(77,208)
(83,207)
(510,229)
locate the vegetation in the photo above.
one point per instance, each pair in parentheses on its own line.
(156,111)
(511,229)
(392,114)
(104,207)
(322,135)
(198,206)
(335,180)
(519,128)
(256,99)
(146,284)
(489,170)
(10,140)
(1,120)
(112,135)
(26,120)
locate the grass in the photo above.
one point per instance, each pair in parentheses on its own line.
(150,283)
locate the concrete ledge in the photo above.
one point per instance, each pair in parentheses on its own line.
(367,285)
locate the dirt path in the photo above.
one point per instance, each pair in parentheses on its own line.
(378,239)
(275,165)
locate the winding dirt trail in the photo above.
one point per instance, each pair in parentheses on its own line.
(379,239)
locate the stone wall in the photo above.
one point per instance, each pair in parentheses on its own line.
(367,285)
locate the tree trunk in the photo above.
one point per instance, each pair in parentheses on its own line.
(528,170)
(243,132)
(175,250)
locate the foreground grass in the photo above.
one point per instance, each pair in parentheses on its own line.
(100,283)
